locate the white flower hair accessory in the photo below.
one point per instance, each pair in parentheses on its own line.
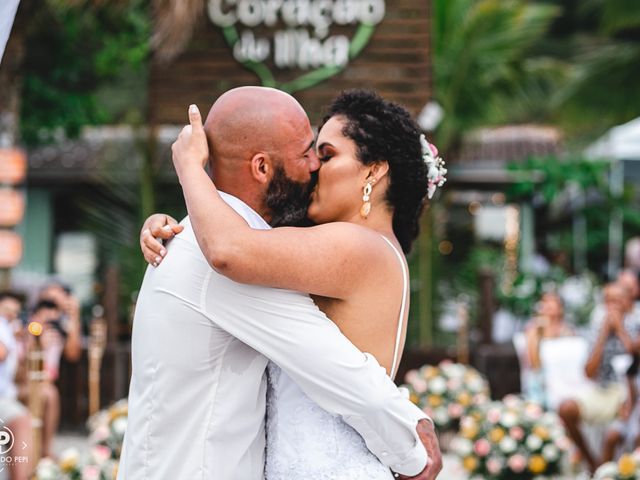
(437,173)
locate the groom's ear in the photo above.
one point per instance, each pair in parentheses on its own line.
(262,167)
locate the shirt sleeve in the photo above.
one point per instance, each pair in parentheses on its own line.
(290,330)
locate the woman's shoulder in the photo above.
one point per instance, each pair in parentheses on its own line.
(354,236)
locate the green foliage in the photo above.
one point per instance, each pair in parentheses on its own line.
(114,212)
(484,73)
(551,176)
(604,53)
(74,50)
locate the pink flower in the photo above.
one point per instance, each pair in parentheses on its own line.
(494,466)
(453,384)
(100,434)
(411,376)
(493,415)
(517,433)
(511,401)
(517,463)
(563,443)
(455,410)
(534,411)
(482,447)
(90,472)
(419,385)
(101,453)
(434,150)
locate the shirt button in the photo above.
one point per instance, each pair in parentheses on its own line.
(384,454)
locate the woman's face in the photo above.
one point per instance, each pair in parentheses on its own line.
(341,178)
(551,306)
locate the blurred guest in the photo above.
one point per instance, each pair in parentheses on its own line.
(625,430)
(601,403)
(14,415)
(632,254)
(70,319)
(628,280)
(548,323)
(52,342)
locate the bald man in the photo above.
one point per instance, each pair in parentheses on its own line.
(201,342)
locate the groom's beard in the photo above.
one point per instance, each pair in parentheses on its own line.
(288,200)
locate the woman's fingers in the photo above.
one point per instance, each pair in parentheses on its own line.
(152,249)
(158,227)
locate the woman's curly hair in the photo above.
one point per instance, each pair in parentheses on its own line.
(385,131)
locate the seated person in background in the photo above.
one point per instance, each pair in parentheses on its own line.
(52,342)
(548,323)
(601,403)
(14,415)
(625,430)
(628,280)
(70,320)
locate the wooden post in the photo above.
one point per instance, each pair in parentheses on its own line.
(425,267)
(111,303)
(487,305)
(36,377)
(463,334)
(97,344)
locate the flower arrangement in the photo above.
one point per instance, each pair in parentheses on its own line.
(106,435)
(447,392)
(511,440)
(437,174)
(626,468)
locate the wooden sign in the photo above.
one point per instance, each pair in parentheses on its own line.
(11,207)
(317,38)
(311,48)
(10,249)
(13,166)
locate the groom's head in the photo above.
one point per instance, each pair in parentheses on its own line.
(261,150)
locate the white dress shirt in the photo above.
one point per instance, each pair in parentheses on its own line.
(200,348)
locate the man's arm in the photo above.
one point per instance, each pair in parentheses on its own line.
(288,328)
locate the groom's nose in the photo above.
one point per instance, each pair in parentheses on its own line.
(314,161)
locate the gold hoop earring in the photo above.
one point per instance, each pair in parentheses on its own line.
(365,210)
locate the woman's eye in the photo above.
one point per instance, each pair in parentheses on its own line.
(325,158)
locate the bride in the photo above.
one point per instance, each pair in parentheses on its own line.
(376,173)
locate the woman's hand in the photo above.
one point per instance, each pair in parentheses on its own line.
(190,149)
(157,226)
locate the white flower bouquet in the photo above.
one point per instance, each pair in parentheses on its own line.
(447,392)
(626,468)
(106,434)
(511,440)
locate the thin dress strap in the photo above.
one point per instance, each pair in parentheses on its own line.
(405,282)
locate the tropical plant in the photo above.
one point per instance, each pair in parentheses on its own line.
(75,50)
(483,71)
(604,50)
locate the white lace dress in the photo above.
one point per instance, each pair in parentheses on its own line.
(305,442)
